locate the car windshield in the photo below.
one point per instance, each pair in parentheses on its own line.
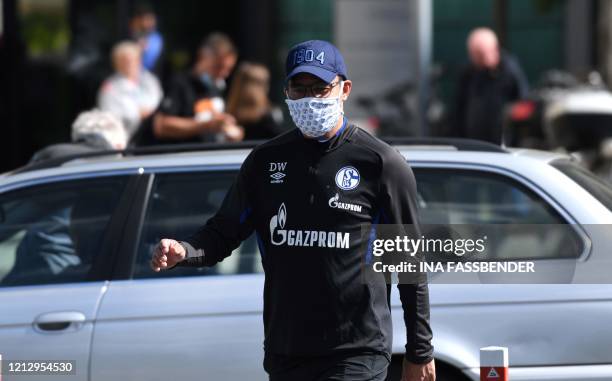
(595,186)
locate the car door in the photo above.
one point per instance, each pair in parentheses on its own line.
(56,245)
(538,322)
(183,323)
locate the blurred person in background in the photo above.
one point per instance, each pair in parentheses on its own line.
(93,130)
(225,57)
(194,109)
(48,247)
(491,81)
(248,102)
(132,93)
(143,29)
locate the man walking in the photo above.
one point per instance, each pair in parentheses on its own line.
(321,320)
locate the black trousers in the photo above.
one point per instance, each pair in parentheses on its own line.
(360,366)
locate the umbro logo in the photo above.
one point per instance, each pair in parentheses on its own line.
(278,170)
(277,176)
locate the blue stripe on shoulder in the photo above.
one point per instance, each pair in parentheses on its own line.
(245,214)
(372,237)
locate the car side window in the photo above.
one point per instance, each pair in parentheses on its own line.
(475,197)
(178,205)
(54,233)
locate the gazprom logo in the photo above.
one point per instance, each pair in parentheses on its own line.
(303,238)
(347,178)
(282,215)
(279,221)
(334,203)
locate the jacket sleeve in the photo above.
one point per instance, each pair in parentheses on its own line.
(232,224)
(521,85)
(399,206)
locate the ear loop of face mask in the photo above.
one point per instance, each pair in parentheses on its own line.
(341,97)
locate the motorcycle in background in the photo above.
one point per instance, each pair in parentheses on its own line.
(564,114)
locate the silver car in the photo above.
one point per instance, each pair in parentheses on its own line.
(75,281)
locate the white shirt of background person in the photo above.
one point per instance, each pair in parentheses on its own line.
(132,93)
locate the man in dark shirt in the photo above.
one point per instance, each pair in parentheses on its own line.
(307,194)
(492,80)
(193,109)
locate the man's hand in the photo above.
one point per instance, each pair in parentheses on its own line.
(167,254)
(233,133)
(418,372)
(217,123)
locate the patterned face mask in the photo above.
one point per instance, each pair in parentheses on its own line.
(315,116)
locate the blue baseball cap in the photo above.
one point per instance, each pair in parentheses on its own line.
(317,57)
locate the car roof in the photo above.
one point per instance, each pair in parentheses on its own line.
(116,163)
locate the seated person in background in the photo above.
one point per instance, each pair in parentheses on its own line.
(248,102)
(47,247)
(132,93)
(193,109)
(61,239)
(92,131)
